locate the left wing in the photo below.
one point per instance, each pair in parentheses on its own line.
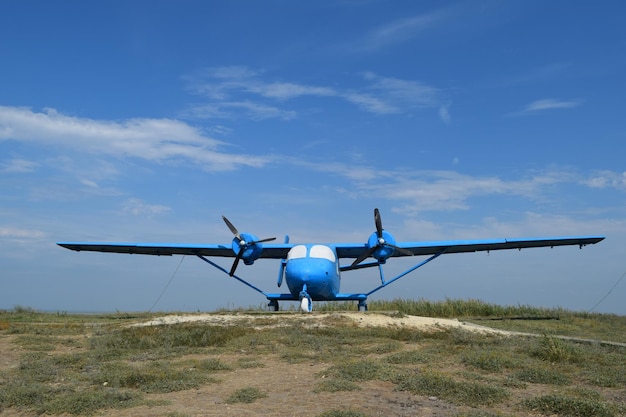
(461,246)
(275,251)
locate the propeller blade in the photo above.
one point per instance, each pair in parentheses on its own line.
(269,239)
(364,256)
(401,250)
(379,223)
(381,242)
(243,245)
(235,263)
(232,228)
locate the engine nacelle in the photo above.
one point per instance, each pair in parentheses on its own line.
(250,252)
(384,246)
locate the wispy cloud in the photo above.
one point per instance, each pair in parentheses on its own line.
(239,92)
(549,104)
(21,235)
(441,190)
(444,114)
(233,109)
(18,165)
(606,179)
(156,140)
(138,207)
(404,29)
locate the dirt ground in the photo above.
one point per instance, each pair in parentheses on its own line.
(289,387)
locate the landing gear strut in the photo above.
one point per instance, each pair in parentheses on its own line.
(362,305)
(273,305)
(306,304)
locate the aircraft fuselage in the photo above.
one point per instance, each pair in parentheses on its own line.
(314,269)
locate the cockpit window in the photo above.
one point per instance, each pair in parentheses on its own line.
(298,251)
(321,251)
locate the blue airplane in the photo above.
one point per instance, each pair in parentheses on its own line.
(313,271)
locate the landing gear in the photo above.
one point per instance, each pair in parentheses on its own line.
(362,305)
(273,305)
(306,304)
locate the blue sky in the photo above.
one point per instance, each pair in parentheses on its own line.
(148,120)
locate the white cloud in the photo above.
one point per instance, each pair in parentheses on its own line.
(257,111)
(237,92)
(151,139)
(137,207)
(18,165)
(444,114)
(404,29)
(549,103)
(89,183)
(16,234)
(417,190)
(285,91)
(370,103)
(606,179)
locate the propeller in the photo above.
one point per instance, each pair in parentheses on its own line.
(380,242)
(243,243)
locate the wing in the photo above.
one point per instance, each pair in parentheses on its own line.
(460,246)
(275,251)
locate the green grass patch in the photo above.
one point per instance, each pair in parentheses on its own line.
(154,377)
(555,350)
(248,362)
(562,405)
(46,399)
(490,360)
(362,370)
(246,395)
(440,385)
(546,376)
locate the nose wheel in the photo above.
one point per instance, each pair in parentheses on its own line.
(306,304)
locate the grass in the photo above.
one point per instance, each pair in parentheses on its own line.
(246,395)
(443,385)
(570,406)
(85,364)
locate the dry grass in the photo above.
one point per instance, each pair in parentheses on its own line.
(85,365)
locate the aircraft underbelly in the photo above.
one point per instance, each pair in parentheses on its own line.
(319,275)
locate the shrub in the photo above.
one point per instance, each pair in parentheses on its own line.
(569,406)
(246,395)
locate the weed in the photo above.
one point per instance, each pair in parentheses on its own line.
(440,385)
(246,395)
(555,350)
(208,365)
(487,360)
(162,341)
(570,406)
(362,370)
(155,377)
(45,399)
(542,376)
(245,363)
